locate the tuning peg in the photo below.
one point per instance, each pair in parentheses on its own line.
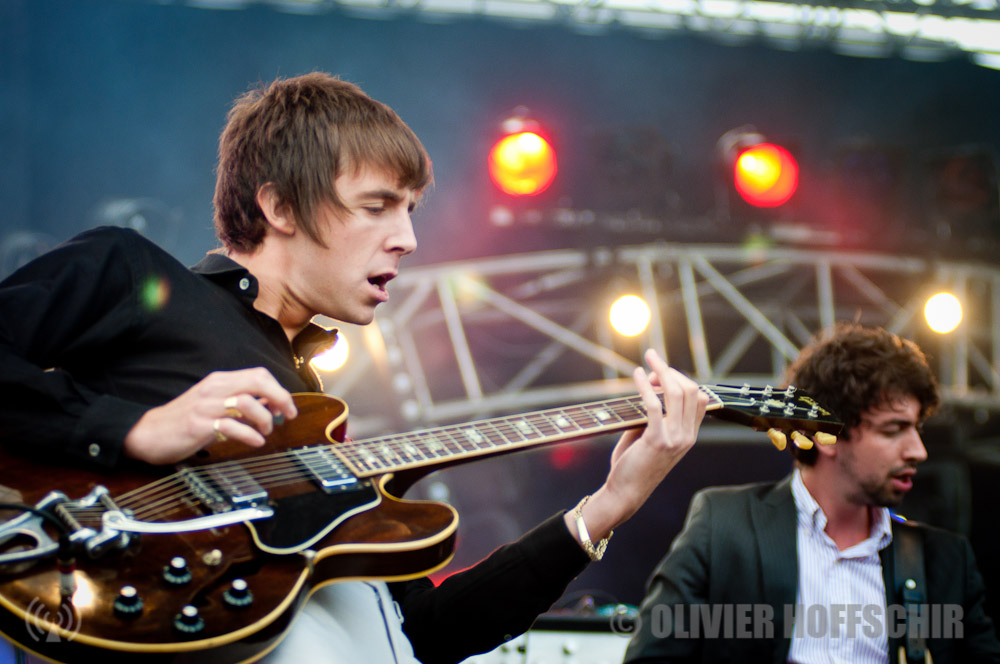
(802,442)
(777,438)
(824,438)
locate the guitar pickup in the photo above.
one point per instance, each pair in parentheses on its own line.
(326,469)
(224,488)
(240,488)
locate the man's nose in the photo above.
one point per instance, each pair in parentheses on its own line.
(404,240)
(915,451)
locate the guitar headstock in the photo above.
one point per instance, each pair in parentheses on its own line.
(782,412)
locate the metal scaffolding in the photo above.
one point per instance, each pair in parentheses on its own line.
(470,339)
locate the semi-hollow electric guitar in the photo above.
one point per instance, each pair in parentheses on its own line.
(209,561)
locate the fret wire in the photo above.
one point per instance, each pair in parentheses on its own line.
(405,443)
(424,441)
(515,430)
(591,414)
(579,417)
(544,425)
(451,442)
(561,416)
(457,438)
(493,441)
(503,440)
(612,413)
(532,433)
(608,408)
(412,441)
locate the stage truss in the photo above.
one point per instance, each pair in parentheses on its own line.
(464,340)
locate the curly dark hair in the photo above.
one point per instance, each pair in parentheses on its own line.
(853,368)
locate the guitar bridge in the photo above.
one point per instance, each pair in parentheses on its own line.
(57,504)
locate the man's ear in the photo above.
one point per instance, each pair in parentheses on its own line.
(277,212)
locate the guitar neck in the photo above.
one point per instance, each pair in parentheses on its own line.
(786,410)
(450,444)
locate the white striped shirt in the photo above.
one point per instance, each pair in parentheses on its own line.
(841,612)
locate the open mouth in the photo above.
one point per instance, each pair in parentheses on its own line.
(903,481)
(380,281)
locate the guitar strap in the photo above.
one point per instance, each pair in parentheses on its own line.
(911,587)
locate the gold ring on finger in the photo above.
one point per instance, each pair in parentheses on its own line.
(231,410)
(219,436)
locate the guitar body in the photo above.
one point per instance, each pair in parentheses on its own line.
(317,534)
(209,562)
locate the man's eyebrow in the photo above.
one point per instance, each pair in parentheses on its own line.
(381,194)
(899,421)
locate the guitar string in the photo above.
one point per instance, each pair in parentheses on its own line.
(166,494)
(407,440)
(391,446)
(580,416)
(287,474)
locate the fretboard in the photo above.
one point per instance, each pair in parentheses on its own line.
(448,444)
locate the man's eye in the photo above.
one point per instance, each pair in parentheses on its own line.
(375,210)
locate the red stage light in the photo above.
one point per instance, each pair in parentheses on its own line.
(523,164)
(765,175)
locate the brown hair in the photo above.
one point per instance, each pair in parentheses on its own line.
(300,134)
(853,368)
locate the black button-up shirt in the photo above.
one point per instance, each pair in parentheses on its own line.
(108,325)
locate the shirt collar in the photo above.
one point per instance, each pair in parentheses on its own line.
(229,274)
(235,278)
(806,507)
(811,515)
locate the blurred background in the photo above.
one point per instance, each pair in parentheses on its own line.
(638,115)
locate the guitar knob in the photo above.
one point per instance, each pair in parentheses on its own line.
(128,604)
(824,438)
(238,595)
(177,572)
(778,438)
(801,441)
(189,620)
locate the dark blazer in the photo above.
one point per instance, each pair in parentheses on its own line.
(738,547)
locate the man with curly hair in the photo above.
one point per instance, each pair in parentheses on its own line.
(809,561)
